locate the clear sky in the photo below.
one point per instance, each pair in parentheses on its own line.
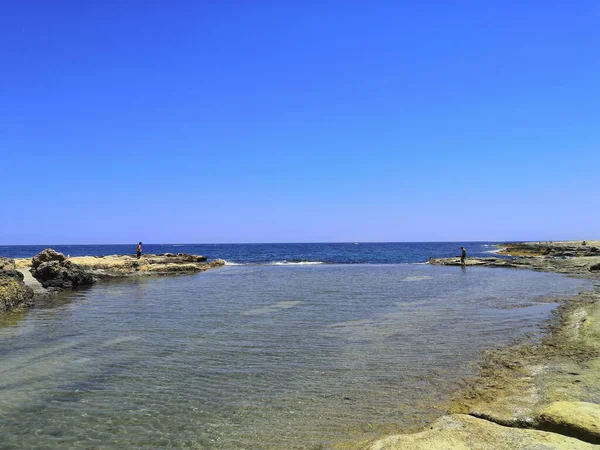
(299,121)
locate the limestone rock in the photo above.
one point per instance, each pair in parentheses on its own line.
(7,264)
(577,419)
(46,255)
(462,432)
(14,294)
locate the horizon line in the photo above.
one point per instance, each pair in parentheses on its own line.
(306,242)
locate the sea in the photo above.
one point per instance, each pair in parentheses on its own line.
(300,253)
(287,346)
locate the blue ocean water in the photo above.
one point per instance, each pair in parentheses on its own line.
(325,253)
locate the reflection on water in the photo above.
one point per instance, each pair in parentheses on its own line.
(257,357)
(12,318)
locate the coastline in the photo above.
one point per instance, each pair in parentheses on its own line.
(23,281)
(529,395)
(522,389)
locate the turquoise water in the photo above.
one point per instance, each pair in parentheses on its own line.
(257,356)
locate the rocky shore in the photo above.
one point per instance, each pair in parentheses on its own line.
(14,293)
(529,396)
(24,280)
(563,257)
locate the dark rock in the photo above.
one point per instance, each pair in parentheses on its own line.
(595,267)
(46,255)
(61,275)
(12,273)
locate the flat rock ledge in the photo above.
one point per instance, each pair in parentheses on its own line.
(462,432)
(116,266)
(24,280)
(580,265)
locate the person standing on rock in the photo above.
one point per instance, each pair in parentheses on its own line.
(139,250)
(463,255)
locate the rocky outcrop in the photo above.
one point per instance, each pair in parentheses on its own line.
(47,255)
(581,265)
(557,249)
(52,271)
(61,275)
(12,273)
(183,257)
(13,293)
(115,266)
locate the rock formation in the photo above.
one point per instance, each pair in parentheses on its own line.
(54,271)
(47,255)
(14,294)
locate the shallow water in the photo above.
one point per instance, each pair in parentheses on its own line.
(257,356)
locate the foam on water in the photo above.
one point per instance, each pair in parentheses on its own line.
(296,263)
(229,263)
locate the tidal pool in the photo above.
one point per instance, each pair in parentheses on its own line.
(255,357)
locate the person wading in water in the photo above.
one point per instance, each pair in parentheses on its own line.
(463,255)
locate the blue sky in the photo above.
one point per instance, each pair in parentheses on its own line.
(264,121)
